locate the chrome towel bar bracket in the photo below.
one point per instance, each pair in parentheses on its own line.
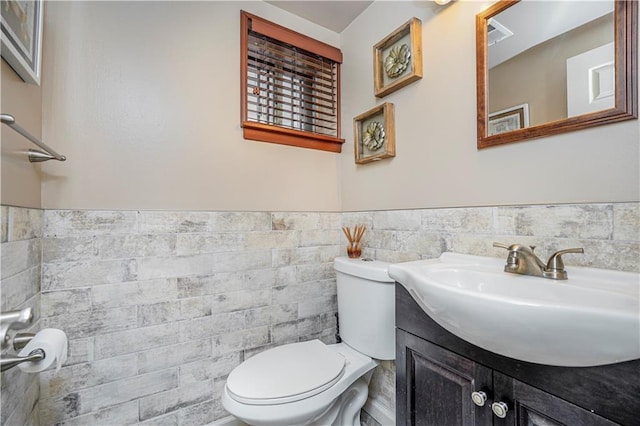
(35,155)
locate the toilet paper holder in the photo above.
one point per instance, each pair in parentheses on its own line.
(10,361)
(16,320)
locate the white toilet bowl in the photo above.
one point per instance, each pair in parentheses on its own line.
(313,383)
(255,395)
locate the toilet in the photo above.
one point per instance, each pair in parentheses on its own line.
(311,383)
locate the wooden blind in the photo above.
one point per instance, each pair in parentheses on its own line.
(288,86)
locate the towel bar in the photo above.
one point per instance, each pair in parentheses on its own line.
(35,156)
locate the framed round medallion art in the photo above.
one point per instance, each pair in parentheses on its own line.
(375,134)
(397,59)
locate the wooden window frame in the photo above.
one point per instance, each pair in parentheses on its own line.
(273,133)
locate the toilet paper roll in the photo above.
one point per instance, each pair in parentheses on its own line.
(54,344)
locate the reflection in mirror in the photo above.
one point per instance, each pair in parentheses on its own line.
(551,67)
(528,65)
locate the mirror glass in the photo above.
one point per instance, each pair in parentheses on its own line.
(546,67)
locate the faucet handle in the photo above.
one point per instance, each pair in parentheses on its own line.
(512,246)
(555,261)
(512,257)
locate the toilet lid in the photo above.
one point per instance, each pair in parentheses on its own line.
(285,374)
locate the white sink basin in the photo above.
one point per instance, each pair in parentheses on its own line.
(592,318)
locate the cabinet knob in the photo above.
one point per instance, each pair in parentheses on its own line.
(500,409)
(479,398)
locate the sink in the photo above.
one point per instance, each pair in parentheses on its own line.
(592,318)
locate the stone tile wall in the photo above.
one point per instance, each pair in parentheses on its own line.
(20,242)
(609,234)
(160,306)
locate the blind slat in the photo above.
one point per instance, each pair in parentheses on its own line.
(294,124)
(320,117)
(301,73)
(263,61)
(307,105)
(288,36)
(266,75)
(301,126)
(262,81)
(259,43)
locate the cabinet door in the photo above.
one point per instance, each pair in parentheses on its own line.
(529,406)
(434,386)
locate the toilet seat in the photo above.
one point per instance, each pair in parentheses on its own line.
(286,374)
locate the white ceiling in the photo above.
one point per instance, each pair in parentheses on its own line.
(334,15)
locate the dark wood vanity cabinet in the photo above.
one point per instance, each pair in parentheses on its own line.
(437,373)
(434,385)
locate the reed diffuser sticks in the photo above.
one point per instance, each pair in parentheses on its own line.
(354,250)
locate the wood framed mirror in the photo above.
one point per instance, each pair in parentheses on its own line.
(537,79)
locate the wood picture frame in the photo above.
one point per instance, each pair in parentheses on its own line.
(397,59)
(509,119)
(625,34)
(375,134)
(21,25)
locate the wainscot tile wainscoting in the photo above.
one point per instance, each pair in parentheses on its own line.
(20,252)
(160,306)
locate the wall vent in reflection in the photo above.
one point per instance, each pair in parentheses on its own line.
(497,32)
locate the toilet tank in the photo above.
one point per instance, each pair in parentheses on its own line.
(366,306)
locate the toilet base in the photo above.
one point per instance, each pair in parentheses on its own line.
(339,405)
(344,411)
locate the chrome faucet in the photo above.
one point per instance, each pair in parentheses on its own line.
(522,260)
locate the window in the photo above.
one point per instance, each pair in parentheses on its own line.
(290,87)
